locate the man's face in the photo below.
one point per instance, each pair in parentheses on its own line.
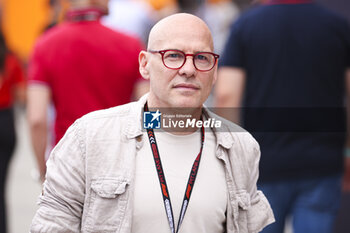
(185,87)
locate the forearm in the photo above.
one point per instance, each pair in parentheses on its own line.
(39,141)
(38,102)
(228,93)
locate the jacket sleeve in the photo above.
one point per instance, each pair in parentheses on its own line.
(258,210)
(62,198)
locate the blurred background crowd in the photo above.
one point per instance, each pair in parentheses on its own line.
(22,52)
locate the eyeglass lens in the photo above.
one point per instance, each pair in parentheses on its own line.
(175,59)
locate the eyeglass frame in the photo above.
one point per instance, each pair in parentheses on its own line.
(162,52)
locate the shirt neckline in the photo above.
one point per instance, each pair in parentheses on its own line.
(86,14)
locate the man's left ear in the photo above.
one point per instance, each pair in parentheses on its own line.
(143,61)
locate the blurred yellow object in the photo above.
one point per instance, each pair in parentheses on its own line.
(23,21)
(216,1)
(160,4)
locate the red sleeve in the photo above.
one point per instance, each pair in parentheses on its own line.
(37,72)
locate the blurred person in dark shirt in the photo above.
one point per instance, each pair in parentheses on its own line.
(81,66)
(285,64)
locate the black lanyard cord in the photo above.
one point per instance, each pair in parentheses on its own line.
(162,181)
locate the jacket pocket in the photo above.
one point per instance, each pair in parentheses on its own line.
(106,204)
(251,215)
(260,213)
(240,206)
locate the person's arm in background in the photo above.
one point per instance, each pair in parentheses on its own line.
(230,85)
(37,106)
(20,94)
(346,181)
(229,91)
(19,91)
(38,101)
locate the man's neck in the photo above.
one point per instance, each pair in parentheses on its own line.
(79,5)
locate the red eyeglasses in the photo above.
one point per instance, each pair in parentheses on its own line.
(175,59)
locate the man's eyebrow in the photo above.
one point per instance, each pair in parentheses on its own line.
(203,52)
(195,52)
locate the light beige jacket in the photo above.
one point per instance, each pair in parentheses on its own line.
(90,175)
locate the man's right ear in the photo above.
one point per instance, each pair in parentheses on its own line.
(143,64)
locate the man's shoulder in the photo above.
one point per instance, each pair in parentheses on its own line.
(329,17)
(129,110)
(252,17)
(125,110)
(54,37)
(278,10)
(54,33)
(109,124)
(254,12)
(290,11)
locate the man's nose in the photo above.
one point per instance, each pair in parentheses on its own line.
(188,69)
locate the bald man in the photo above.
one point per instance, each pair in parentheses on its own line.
(116,171)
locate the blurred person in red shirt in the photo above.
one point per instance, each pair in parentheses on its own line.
(12,89)
(81,66)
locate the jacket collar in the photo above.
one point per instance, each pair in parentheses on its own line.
(134,124)
(223,136)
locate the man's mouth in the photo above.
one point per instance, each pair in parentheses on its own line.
(186,86)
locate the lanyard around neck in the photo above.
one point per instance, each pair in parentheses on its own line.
(162,181)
